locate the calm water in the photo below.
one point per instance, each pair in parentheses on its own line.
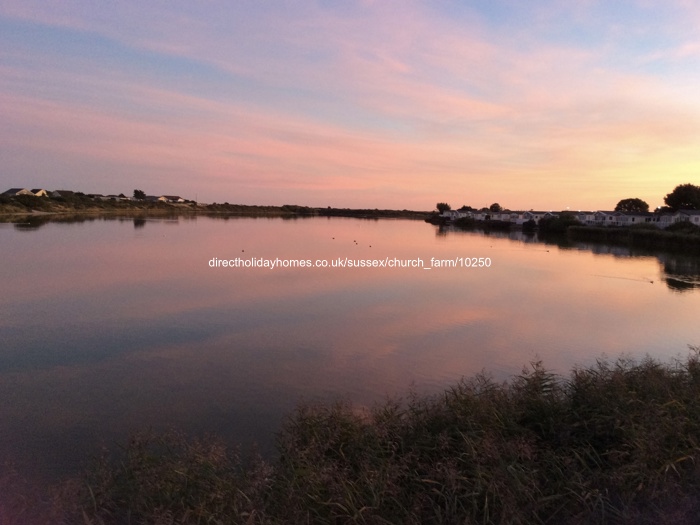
(113,326)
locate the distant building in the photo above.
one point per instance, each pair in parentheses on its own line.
(170,198)
(637,217)
(692,216)
(15,192)
(586,217)
(38,192)
(665,220)
(65,194)
(600,218)
(454,214)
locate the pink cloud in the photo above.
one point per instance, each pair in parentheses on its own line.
(440,107)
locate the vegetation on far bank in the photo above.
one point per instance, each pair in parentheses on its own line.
(83,204)
(683,197)
(80,203)
(617,442)
(679,237)
(682,236)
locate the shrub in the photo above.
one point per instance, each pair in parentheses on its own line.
(613,443)
(558,224)
(169,479)
(684,227)
(530,225)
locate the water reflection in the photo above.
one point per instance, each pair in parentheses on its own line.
(112,325)
(681,273)
(34,222)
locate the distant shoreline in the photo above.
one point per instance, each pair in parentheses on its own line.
(40,207)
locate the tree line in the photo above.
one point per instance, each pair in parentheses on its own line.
(683,197)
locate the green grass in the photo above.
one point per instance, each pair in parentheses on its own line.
(617,442)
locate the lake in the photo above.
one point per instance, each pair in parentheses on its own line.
(111,326)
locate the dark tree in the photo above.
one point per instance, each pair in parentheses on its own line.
(632,205)
(443,207)
(684,197)
(529,226)
(140,195)
(495,207)
(558,224)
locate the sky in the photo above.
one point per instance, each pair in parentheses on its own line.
(543,105)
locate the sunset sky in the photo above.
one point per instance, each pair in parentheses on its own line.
(376,104)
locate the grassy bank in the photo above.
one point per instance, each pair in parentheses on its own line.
(73,203)
(84,205)
(687,241)
(614,443)
(469,224)
(372,213)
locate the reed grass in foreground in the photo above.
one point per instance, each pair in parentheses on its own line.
(614,443)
